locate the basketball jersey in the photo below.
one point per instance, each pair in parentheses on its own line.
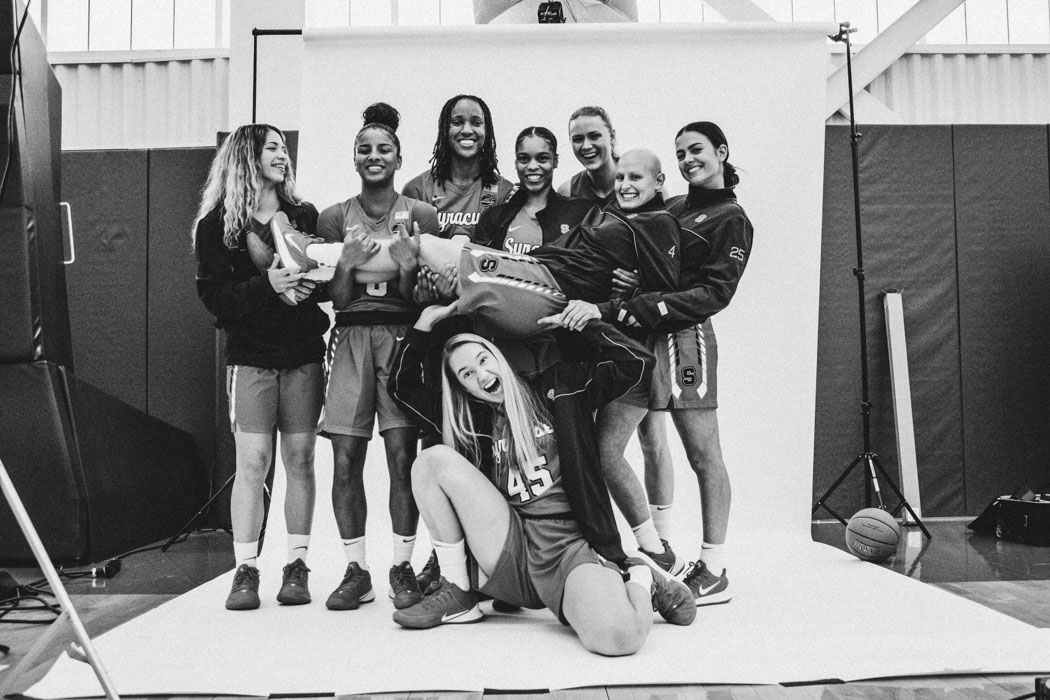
(523,234)
(459,208)
(580,188)
(338,219)
(535,489)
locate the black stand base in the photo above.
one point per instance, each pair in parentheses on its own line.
(875,470)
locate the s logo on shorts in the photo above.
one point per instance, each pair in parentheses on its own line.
(488,264)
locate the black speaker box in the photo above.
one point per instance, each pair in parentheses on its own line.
(97,476)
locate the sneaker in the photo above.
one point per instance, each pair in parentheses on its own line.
(404,590)
(291,246)
(294,589)
(245,592)
(707,588)
(260,253)
(430,573)
(355,589)
(443,603)
(666,560)
(671,598)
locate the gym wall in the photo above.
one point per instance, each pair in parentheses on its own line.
(956,218)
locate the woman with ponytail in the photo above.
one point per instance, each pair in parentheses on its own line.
(716,243)
(274,343)
(370,318)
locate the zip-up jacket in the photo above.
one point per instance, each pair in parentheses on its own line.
(601,364)
(261,330)
(646,239)
(559,217)
(716,244)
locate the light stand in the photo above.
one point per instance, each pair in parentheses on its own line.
(868,458)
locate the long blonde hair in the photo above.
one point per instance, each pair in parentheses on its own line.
(524,412)
(233,180)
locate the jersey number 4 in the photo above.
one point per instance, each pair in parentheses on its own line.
(531,481)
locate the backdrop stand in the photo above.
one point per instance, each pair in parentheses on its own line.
(867,457)
(69,613)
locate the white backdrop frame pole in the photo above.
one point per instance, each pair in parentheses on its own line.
(69,614)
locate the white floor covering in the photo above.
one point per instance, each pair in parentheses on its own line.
(801,612)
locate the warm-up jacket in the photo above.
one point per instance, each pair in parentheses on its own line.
(261,330)
(716,244)
(646,239)
(600,365)
(559,217)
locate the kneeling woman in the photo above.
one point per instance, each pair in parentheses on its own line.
(538,509)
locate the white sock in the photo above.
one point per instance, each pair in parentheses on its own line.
(403,546)
(452,556)
(354,550)
(298,547)
(661,519)
(714,557)
(642,575)
(647,537)
(246,552)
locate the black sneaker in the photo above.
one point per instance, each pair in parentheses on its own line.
(443,603)
(355,589)
(666,560)
(245,592)
(294,588)
(430,573)
(707,588)
(671,598)
(404,590)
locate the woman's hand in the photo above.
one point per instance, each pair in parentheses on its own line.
(404,248)
(447,282)
(575,316)
(430,316)
(625,282)
(425,292)
(357,248)
(282,279)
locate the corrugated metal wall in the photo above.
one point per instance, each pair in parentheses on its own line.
(178,102)
(142,104)
(964,87)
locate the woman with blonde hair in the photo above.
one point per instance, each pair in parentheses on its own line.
(535,512)
(274,343)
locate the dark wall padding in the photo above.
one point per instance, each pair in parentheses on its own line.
(907,209)
(97,476)
(107,194)
(38,449)
(180,329)
(34,321)
(1003,226)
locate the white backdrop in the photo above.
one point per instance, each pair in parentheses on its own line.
(763,83)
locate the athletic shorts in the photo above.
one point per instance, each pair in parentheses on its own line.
(510,292)
(359,361)
(686,369)
(537,558)
(261,399)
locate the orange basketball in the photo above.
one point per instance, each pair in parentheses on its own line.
(872,535)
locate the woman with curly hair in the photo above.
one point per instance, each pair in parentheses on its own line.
(463,180)
(274,343)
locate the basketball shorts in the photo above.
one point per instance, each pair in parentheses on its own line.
(509,292)
(685,375)
(359,361)
(261,399)
(537,558)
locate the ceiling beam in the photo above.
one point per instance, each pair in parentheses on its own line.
(880,53)
(740,10)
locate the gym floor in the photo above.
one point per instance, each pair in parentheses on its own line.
(1010,578)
